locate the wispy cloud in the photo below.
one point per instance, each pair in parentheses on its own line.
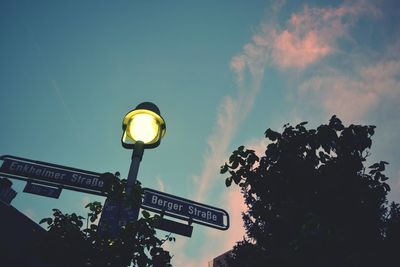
(249,67)
(160,184)
(352,96)
(312,34)
(233,202)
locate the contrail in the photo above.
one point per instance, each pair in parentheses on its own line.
(52,81)
(61,98)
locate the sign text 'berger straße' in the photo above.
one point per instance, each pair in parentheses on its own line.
(185,209)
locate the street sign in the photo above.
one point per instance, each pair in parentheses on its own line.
(52,175)
(109,217)
(185,209)
(42,190)
(175,227)
(115,215)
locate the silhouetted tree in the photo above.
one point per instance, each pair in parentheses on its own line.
(72,241)
(312,202)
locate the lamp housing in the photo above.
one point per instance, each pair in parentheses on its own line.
(144,124)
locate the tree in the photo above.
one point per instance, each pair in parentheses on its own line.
(312,202)
(69,243)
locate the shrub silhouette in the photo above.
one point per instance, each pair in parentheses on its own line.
(312,202)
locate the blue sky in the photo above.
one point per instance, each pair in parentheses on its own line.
(221,72)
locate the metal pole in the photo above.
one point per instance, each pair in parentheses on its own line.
(137,155)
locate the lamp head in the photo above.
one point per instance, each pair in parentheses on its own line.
(144,124)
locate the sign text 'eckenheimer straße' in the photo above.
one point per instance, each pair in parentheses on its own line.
(54,175)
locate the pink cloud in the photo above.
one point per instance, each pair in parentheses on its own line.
(351,97)
(238,63)
(312,34)
(248,67)
(290,51)
(309,36)
(235,205)
(218,143)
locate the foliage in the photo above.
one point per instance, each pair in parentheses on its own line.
(68,243)
(312,202)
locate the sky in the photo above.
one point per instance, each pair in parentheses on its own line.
(221,73)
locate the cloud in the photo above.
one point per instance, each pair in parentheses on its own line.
(160,183)
(249,67)
(234,203)
(313,33)
(291,51)
(353,96)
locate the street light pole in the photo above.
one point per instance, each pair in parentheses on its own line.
(137,155)
(136,158)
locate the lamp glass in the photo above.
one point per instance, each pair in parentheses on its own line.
(143,127)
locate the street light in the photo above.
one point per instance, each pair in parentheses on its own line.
(142,128)
(143,124)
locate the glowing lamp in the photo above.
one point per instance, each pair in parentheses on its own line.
(143,124)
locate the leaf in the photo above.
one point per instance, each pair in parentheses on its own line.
(228,181)
(145,214)
(252,159)
(224,169)
(232,158)
(386,187)
(373,166)
(235,164)
(382,165)
(336,123)
(384,178)
(242,184)
(43,220)
(272,135)
(237,178)
(240,148)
